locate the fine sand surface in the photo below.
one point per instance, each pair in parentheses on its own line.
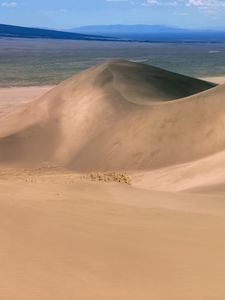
(14,96)
(64,236)
(216,79)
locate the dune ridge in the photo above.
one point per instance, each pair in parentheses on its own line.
(119,115)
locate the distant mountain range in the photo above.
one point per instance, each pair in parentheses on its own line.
(154,33)
(125,29)
(11,31)
(148,33)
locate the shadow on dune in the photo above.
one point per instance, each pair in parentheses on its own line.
(144,84)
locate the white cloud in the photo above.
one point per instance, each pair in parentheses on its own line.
(207,6)
(160,3)
(151,2)
(203,5)
(194,3)
(9,4)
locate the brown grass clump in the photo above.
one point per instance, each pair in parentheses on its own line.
(109,177)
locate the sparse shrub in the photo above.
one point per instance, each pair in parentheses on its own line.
(108,177)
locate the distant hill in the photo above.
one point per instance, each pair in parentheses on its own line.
(11,31)
(125,29)
(153,33)
(149,33)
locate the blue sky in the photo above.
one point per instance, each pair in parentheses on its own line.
(72,13)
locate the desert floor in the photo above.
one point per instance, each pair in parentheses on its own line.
(65,237)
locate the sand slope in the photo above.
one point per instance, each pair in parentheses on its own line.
(62,238)
(130,103)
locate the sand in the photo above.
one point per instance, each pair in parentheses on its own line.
(14,96)
(64,236)
(215,79)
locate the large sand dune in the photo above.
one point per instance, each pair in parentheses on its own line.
(162,238)
(118,115)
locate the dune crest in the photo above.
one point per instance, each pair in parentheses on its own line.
(119,115)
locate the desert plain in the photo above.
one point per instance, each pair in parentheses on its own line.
(112,187)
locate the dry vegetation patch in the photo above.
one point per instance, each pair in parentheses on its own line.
(108,177)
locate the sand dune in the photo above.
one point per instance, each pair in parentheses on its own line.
(204,176)
(152,117)
(162,237)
